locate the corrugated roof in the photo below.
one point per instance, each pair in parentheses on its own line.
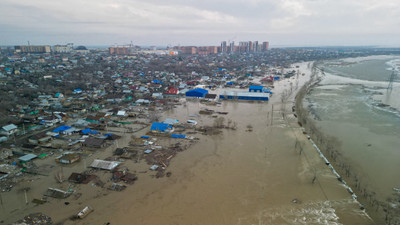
(27,157)
(9,127)
(105,165)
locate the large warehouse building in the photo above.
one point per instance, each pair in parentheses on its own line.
(249,96)
(199,93)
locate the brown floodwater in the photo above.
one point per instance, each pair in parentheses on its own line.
(236,177)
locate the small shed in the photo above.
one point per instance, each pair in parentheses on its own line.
(198,92)
(68,158)
(121,113)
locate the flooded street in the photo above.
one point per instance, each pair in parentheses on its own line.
(240,177)
(249,175)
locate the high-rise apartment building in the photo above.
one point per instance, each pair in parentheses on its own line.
(223,46)
(265,46)
(255,46)
(232,46)
(32,48)
(251,46)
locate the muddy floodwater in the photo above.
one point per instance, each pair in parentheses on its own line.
(250,175)
(240,176)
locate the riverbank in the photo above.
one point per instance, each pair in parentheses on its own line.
(269,175)
(344,143)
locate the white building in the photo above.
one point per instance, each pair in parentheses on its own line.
(63,48)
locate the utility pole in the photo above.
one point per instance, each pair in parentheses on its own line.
(272,114)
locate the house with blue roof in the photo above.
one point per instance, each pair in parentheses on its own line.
(256,88)
(161,128)
(77,91)
(198,92)
(61,129)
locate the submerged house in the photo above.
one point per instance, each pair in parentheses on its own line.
(92,142)
(57,193)
(68,158)
(161,128)
(104,165)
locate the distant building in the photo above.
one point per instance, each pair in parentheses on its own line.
(265,46)
(82,49)
(251,46)
(232,46)
(255,47)
(63,48)
(120,50)
(188,50)
(223,46)
(207,50)
(32,48)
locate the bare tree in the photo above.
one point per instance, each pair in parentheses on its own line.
(154,117)
(219,122)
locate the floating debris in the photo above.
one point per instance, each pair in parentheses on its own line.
(36,218)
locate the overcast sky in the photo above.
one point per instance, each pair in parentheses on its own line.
(200,22)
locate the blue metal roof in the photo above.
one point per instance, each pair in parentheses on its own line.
(255,87)
(199,90)
(88,130)
(178,136)
(160,126)
(61,129)
(200,93)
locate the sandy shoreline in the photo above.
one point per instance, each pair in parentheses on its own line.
(237,177)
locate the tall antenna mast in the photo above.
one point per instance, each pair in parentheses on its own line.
(391,79)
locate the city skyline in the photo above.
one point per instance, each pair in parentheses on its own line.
(205,23)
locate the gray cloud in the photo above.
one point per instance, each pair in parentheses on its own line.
(205,22)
